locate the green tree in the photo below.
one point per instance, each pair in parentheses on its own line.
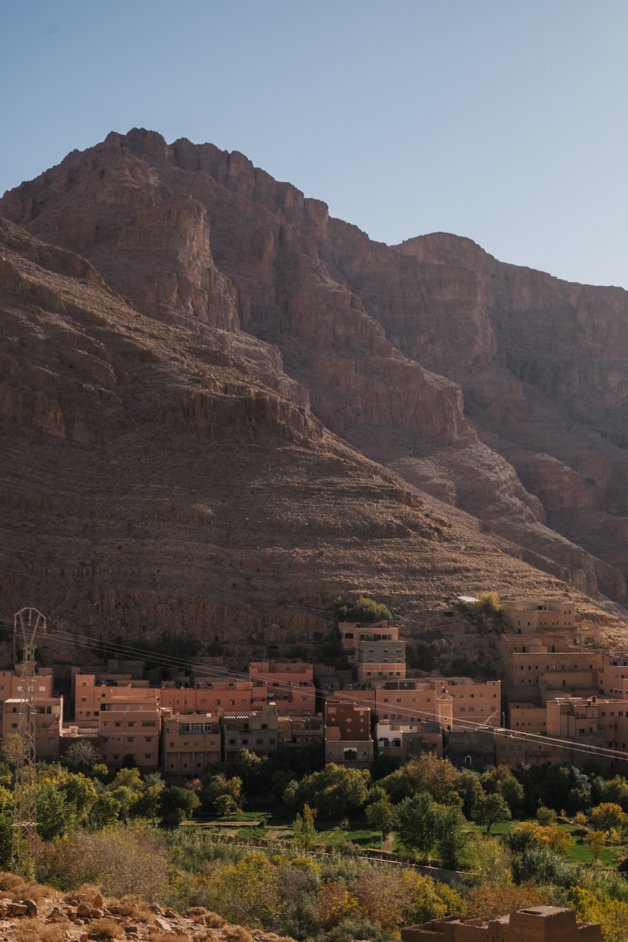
(501,780)
(104,812)
(335,791)
(364,611)
(427,773)
(304,830)
(381,815)
(221,795)
(416,822)
(595,841)
(55,817)
(490,810)
(616,791)
(469,788)
(177,804)
(546,816)
(6,828)
(451,836)
(607,817)
(79,793)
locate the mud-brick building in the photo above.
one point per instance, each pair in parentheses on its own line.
(537,924)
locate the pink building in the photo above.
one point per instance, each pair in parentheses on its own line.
(407,700)
(289,684)
(130,728)
(13,685)
(473,701)
(218,696)
(190,743)
(48,715)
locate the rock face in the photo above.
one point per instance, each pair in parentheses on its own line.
(193,369)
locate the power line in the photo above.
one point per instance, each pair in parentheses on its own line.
(216,672)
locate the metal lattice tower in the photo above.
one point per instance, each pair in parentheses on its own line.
(27,624)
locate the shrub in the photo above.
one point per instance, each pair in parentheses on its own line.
(487,902)
(34,930)
(364,611)
(489,603)
(121,860)
(106,929)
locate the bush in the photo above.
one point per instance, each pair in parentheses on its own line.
(120,860)
(364,611)
(489,603)
(106,929)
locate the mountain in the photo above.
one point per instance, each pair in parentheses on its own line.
(223,408)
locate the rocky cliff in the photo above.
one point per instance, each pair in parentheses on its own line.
(212,376)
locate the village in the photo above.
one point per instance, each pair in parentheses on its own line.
(562,699)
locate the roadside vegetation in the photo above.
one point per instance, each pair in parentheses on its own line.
(331,853)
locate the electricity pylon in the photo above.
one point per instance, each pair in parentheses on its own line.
(27,624)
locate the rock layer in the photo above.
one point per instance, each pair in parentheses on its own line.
(247,323)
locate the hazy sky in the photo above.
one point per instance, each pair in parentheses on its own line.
(502,120)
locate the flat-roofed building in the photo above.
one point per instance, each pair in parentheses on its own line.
(512,748)
(351,633)
(557,669)
(470,748)
(15,686)
(92,690)
(213,695)
(532,615)
(47,718)
(474,701)
(535,924)
(130,729)
(613,677)
(407,740)
(409,700)
(190,742)
(380,660)
(255,731)
(289,684)
(301,731)
(348,738)
(527,718)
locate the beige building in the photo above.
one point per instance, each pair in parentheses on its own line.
(379,660)
(300,732)
(533,676)
(256,732)
(351,633)
(190,742)
(410,700)
(536,924)
(528,617)
(290,684)
(48,717)
(130,729)
(613,679)
(406,740)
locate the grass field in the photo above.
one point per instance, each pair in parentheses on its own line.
(256,824)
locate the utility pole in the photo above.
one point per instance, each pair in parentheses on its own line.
(27,624)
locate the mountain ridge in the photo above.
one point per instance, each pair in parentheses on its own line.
(357,335)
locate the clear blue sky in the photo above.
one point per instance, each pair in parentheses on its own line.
(502,120)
